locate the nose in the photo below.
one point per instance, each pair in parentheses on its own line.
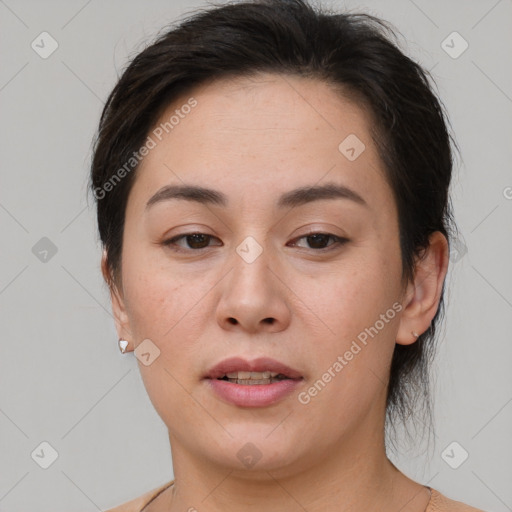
(254,297)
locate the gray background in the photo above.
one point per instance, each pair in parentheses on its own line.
(62,379)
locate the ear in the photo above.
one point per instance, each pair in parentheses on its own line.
(423,294)
(118,305)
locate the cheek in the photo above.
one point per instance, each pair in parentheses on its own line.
(168,312)
(151,301)
(169,307)
(353,297)
(359,325)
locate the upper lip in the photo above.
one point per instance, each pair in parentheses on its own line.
(234,364)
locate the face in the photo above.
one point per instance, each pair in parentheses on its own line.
(304,284)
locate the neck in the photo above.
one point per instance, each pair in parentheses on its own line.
(353,475)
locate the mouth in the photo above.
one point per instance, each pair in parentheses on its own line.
(253,378)
(256,383)
(259,371)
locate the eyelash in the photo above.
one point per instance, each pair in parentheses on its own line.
(171,242)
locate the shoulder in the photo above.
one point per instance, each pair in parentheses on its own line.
(440,503)
(136,504)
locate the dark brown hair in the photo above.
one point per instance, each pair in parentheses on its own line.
(355,53)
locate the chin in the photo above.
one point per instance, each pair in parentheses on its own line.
(253,452)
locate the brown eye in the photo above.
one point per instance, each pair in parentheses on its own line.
(319,241)
(194,241)
(197,240)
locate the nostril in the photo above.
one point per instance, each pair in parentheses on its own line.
(269,320)
(232,321)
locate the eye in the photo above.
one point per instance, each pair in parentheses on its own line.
(318,240)
(194,241)
(197,241)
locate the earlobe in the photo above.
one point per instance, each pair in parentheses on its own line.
(424,293)
(118,305)
(120,316)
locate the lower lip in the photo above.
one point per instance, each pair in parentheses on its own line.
(253,395)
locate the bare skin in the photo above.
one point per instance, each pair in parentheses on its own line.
(254,140)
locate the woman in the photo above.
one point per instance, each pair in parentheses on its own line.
(272,188)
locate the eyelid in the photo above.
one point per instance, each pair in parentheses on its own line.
(170,241)
(338,241)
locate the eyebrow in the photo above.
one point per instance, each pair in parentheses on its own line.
(296,197)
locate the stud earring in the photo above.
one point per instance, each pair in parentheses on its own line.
(122,345)
(415,334)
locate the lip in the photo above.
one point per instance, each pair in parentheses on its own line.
(256,395)
(234,364)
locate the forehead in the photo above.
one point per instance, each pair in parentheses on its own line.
(271,131)
(275,110)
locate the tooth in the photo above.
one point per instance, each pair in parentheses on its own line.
(253,382)
(254,376)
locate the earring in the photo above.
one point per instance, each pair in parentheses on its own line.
(122,345)
(415,334)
